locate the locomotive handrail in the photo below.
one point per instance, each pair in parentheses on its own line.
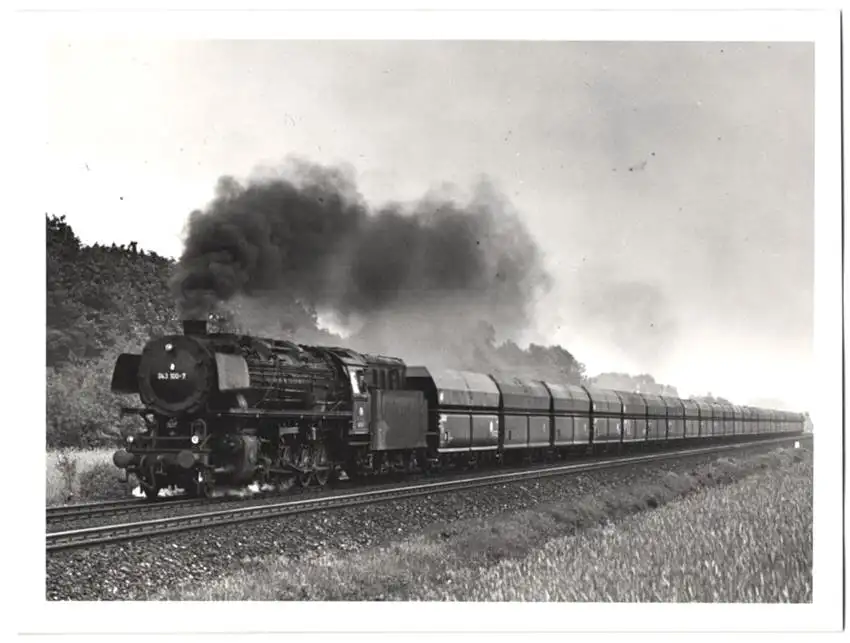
(280,413)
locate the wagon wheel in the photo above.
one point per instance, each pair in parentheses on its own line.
(282,481)
(321,466)
(305,462)
(411,463)
(322,476)
(304,478)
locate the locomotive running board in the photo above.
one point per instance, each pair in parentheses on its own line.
(241,413)
(298,415)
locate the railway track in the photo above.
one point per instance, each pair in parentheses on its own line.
(111,507)
(141,506)
(88,537)
(58,517)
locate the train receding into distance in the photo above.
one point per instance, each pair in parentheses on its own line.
(227,409)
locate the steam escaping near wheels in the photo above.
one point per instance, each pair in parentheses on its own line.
(163,493)
(222,492)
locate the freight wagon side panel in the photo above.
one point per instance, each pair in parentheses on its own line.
(523,403)
(455,432)
(749,421)
(705,421)
(739,420)
(571,407)
(634,416)
(454,396)
(656,421)
(581,430)
(655,429)
(606,430)
(538,431)
(485,432)
(629,430)
(562,431)
(607,414)
(572,430)
(691,418)
(717,420)
(516,432)
(728,420)
(675,418)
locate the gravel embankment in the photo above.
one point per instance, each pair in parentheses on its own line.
(142,569)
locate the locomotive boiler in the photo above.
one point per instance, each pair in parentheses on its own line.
(235,409)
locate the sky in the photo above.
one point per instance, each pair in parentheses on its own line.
(669,185)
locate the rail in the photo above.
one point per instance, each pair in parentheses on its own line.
(91,536)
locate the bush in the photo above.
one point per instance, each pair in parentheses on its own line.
(101,482)
(75,475)
(81,409)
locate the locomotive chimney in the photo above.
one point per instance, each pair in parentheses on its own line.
(194,326)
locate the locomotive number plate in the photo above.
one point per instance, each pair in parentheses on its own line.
(173,375)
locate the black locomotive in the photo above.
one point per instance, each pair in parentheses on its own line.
(234,409)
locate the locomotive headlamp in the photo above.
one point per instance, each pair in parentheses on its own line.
(130,439)
(195,439)
(169,348)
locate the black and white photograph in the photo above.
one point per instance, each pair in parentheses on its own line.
(349,317)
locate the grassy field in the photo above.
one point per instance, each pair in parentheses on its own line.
(746,542)
(77,476)
(736,530)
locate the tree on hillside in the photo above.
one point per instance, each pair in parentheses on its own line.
(101,296)
(644,383)
(537,362)
(711,399)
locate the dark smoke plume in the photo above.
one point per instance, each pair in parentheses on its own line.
(404,273)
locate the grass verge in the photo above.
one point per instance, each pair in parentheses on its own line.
(738,529)
(82,475)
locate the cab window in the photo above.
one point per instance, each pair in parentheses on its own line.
(356,382)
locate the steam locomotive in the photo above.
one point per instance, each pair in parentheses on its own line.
(227,409)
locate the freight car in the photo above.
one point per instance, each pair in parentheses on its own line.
(233,409)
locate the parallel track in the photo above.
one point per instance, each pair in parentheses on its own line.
(141,506)
(92,536)
(94,509)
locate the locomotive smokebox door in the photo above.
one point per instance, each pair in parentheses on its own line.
(399,420)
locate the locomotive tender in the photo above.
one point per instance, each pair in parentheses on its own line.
(222,408)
